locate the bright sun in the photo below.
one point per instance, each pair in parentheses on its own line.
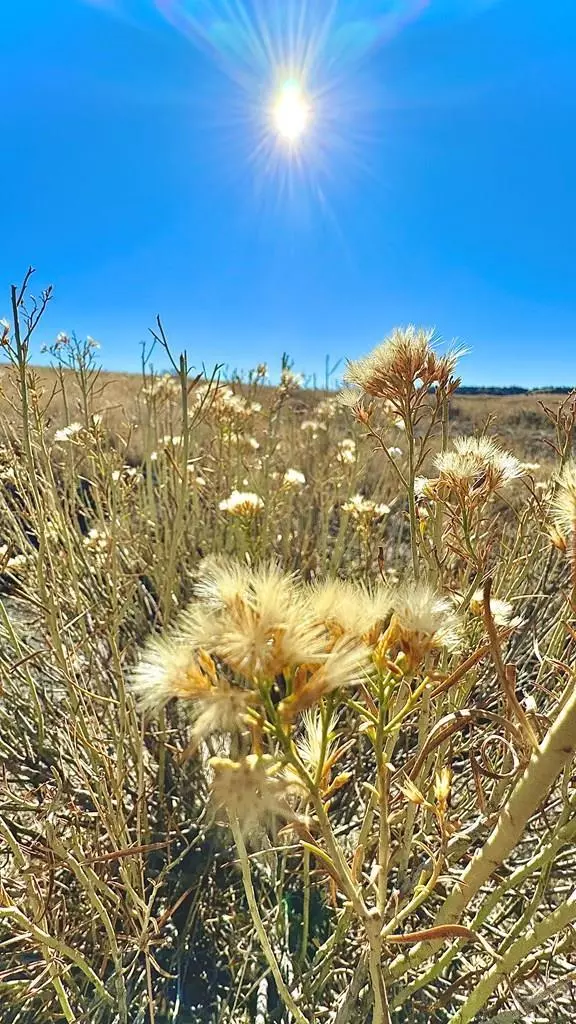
(291,112)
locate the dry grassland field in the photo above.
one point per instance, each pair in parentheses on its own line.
(288,703)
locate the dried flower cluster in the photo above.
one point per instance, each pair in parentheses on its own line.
(474,468)
(250,628)
(244,504)
(406,359)
(564,508)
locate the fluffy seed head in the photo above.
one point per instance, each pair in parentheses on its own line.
(244,504)
(407,356)
(347,664)
(259,620)
(293,480)
(476,466)
(168,669)
(221,709)
(316,740)
(502,611)
(252,790)
(70,433)
(360,507)
(346,451)
(351,609)
(312,427)
(422,621)
(564,501)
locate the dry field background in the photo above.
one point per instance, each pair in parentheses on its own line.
(291,838)
(517,419)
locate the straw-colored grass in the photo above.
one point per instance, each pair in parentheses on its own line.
(229,793)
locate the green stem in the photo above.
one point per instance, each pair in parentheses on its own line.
(546,764)
(381,1013)
(518,951)
(412,500)
(306,905)
(283,991)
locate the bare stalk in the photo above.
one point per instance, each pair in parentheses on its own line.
(258,923)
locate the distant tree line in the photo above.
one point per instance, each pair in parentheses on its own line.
(465,390)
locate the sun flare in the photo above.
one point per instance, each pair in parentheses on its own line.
(292,112)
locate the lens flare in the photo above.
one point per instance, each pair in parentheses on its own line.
(292,111)
(301,99)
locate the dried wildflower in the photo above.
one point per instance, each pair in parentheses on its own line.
(96,539)
(351,398)
(289,381)
(244,504)
(352,609)
(394,452)
(316,739)
(317,747)
(327,408)
(346,450)
(253,790)
(265,627)
(423,487)
(442,790)
(557,539)
(70,433)
(293,480)
(502,611)
(422,621)
(360,507)
(168,669)
(346,457)
(222,709)
(347,664)
(312,427)
(128,474)
(403,360)
(412,793)
(264,639)
(475,467)
(222,582)
(564,501)
(171,669)
(13,563)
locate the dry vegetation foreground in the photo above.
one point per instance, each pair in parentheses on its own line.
(287,706)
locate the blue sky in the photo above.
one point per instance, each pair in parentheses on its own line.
(437,184)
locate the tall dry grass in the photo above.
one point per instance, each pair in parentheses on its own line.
(355,800)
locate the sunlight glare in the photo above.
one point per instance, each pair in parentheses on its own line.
(292,111)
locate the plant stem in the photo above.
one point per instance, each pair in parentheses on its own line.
(381,1013)
(519,951)
(411,497)
(546,764)
(258,923)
